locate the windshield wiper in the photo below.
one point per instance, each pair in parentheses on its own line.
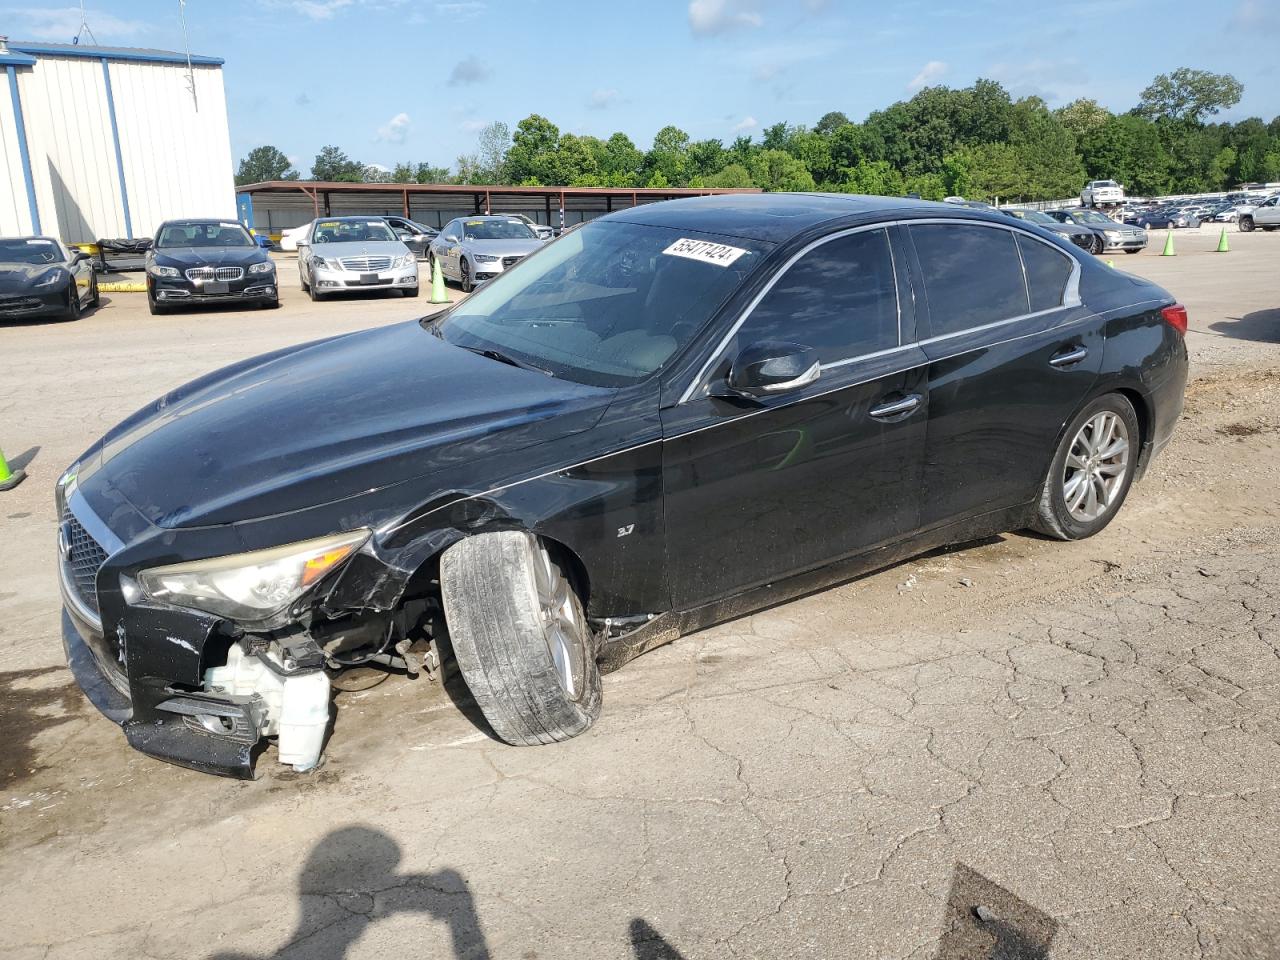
(501,357)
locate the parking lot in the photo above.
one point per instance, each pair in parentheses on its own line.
(1084,737)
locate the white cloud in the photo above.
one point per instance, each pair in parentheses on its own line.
(718,16)
(469,70)
(746,123)
(318,9)
(931,71)
(472,126)
(63,23)
(394,130)
(602,99)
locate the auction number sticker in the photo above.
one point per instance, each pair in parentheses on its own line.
(719,254)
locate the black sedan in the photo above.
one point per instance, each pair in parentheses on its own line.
(416,236)
(673,415)
(208,261)
(1171,218)
(40,277)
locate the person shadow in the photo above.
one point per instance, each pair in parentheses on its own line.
(351,880)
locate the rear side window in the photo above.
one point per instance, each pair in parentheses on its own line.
(1047,273)
(839,298)
(972,274)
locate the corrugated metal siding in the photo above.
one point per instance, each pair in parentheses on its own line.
(64,102)
(15,211)
(176,148)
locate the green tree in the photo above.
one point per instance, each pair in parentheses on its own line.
(733,175)
(1128,149)
(492,145)
(1051,165)
(778,170)
(874,177)
(263,164)
(1082,116)
(334,165)
(619,161)
(532,146)
(830,123)
(668,157)
(706,157)
(1189,95)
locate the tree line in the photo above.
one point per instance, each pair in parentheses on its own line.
(976,142)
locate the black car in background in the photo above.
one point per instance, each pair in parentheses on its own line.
(208,261)
(671,416)
(41,277)
(416,236)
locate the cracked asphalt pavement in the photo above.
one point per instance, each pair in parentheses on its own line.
(1016,748)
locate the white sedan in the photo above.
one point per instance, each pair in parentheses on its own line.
(289,238)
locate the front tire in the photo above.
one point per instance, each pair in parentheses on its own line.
(1246,224)
(1096,246)
(410,292)
(1133,251)
(520,637)
(465,271)
(73,310)
(1091,471)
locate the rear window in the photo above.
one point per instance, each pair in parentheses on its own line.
(1048,271)
(972,275)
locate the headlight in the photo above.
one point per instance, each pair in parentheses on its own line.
(265,267)
(158,271)
(250,586)
(1112,234)
(407,260)
(483,258)
(324,264)
(51,279)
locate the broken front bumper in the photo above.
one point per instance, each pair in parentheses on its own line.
(149,726)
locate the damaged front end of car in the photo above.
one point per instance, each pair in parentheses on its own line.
(201,663)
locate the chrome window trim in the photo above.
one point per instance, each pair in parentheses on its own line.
(1070,294)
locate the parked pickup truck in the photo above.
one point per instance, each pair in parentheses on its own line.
(1101,191)
(1265,215)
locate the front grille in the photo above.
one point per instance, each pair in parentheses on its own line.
(366,264)
(509,262)
(215,273)
(84,561)
(20,303)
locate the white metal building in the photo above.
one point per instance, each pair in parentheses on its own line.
(107,142)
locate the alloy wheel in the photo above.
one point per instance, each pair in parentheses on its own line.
(561,620)
(1096,466)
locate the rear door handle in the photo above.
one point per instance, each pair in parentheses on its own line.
(1072,355)
(893,408)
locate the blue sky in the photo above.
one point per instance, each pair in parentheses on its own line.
(392,80)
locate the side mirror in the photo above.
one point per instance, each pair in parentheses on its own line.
(403,235)
(771,367)
(79,257)
(450,238)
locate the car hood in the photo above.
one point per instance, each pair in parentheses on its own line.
(325,421)
(18,277)
(505,248)
(360,248)
(200,256)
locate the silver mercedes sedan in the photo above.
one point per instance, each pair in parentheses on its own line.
(355,253)
(473,249)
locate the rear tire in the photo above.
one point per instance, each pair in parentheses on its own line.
(95,298)
(520,637)
(1086,466)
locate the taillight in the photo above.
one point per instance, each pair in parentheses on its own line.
(1176,317)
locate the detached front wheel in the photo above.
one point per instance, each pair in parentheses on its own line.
(520,637)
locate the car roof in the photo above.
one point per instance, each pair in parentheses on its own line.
(200,221)
(778,217)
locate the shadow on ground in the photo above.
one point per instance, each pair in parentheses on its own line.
(356,870)
(1262,326)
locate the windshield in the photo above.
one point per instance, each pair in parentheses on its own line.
(1105,183)
(351,231)
(30,251)
(1033,216)
(1092,216)
(497,230)
(607,304)
(204,235)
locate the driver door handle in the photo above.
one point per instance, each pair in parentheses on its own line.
(894,408)
(1070,356)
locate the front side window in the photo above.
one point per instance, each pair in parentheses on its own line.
(1048,271)
(840,298)
(972,275)
(605,305)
